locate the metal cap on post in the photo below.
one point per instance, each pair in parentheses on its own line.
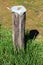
(18,9)
(18,22)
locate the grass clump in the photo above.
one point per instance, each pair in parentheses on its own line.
(33,54)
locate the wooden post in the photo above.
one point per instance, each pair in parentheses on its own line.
(18,22)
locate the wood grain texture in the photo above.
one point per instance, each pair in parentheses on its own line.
(18,23)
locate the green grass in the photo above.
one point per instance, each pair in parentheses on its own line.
(33,54)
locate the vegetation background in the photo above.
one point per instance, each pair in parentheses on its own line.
(33,54)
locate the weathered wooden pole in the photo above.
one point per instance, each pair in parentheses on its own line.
(18,22)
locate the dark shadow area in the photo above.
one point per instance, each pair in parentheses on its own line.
(30,35)
(33,34)
(14,64)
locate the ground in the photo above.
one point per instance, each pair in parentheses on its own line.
(33,52)
(34,15)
